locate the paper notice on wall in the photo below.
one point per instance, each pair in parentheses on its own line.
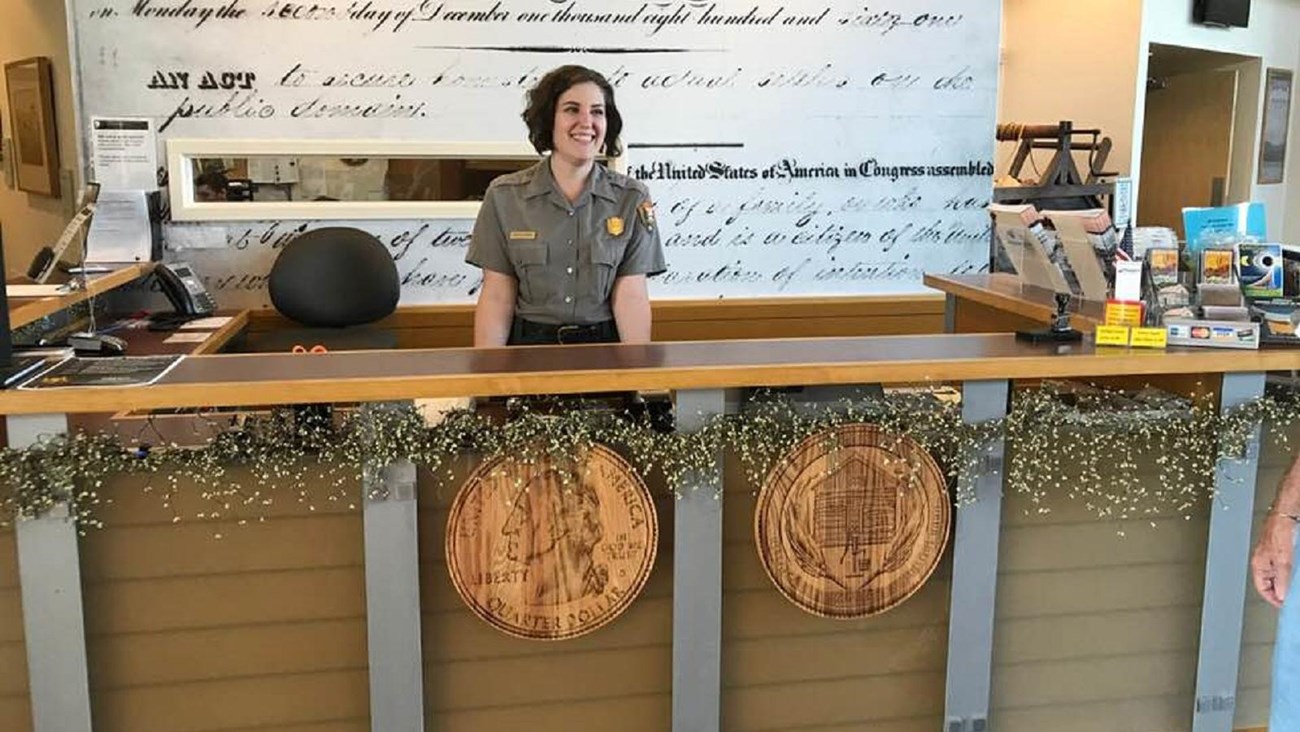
(125,152)
(1123,202)
(119,231)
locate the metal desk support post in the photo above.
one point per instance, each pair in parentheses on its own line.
(697,583)
(49,570)
(975,572)
(393,599)
(1226,566)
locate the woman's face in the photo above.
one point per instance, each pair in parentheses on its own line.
(579,123)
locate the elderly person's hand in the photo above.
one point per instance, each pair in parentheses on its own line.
(1270,564)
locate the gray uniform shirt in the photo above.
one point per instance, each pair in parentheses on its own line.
(566,256)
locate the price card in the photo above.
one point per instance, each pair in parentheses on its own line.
(1149,338)
(1123,313)
(1112,335)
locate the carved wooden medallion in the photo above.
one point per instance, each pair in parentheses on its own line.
(851,525)
(540,559)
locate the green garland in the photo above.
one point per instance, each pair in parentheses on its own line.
(1125,456)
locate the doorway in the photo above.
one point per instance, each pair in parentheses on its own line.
(1195,140)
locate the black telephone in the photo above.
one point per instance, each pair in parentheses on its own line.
(184,289)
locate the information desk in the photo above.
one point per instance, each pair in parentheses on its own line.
(1001,303)
(701,375)
(24,310)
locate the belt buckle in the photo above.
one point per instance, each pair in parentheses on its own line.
(564,330)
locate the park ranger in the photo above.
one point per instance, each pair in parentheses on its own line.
(566,245)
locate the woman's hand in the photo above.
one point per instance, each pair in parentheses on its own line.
(495,311)
(630,301)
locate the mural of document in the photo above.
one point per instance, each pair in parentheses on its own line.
(791,148)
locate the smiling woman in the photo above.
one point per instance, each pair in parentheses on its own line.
(565,246)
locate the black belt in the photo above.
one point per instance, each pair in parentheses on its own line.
(531,333)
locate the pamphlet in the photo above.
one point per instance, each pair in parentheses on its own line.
(1163,264)
(125,153)
(1260,269)
(1207,227)
(120,230)
(1278,318)
(122,371)
(1216,267)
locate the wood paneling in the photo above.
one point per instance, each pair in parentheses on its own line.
(477,678)
(785,669)
(452,326)
(263,629)
(245,703)
(15,710)
(209,625)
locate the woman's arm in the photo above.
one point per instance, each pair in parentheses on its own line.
(495,310)
(630,301)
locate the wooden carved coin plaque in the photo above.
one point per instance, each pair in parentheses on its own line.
(850,525)
(539,559)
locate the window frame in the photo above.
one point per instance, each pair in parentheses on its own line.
(181,151)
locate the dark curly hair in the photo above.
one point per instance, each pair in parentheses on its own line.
(539,115)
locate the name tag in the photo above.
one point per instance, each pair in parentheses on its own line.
(523,235)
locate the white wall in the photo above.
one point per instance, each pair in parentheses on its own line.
(36,28)
(1274,36)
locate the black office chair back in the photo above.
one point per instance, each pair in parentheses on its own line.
(334,277)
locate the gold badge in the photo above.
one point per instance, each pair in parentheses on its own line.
(647,213)
(614,225)
(523,235)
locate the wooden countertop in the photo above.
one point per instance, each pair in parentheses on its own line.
(259,379)
(24,310)
(141,341)
(1007,293)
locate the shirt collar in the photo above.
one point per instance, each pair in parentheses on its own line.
(598,184)
(543,182)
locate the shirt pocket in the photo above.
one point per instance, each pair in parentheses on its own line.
(606,256)
(529,261)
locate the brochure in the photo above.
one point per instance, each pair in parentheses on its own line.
(121,371)
(1260,269)
(1224,225)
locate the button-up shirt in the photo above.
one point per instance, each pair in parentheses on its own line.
(565,255)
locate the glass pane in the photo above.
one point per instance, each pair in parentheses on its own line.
(324,178)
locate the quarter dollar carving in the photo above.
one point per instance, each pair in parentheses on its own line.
(852,522)
(541,558)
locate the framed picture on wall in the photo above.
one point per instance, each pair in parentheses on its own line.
(1273,135)
(31,109)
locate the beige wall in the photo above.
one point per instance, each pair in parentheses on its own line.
(1273,36)
(1070,61)
(37,28)
(1088,62)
